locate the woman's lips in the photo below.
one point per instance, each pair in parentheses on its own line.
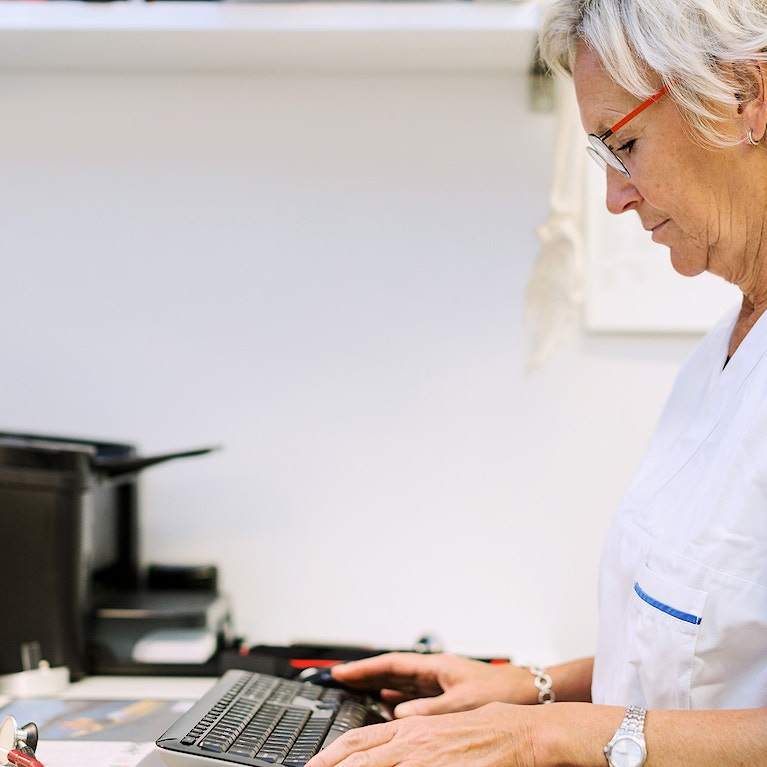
(657,229)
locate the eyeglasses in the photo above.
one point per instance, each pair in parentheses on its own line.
(605,155)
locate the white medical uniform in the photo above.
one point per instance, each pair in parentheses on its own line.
(683,583)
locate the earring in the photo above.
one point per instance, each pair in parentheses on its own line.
(751,139)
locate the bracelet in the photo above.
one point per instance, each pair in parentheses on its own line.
(543,683)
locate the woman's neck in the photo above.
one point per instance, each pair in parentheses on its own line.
(749,314)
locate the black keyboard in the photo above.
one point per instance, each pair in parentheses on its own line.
(261,720)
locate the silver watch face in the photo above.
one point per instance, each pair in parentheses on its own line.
(626,752)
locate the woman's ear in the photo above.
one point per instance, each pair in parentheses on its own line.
(752,97)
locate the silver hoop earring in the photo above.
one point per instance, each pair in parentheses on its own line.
(750,137)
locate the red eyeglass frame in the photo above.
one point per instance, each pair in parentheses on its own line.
(602,152)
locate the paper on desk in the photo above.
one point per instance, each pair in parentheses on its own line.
(98,721)
(67,753)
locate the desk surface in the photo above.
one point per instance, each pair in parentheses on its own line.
(167,696)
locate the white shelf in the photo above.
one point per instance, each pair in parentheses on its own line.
(442,36)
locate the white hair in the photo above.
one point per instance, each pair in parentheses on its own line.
(700,48)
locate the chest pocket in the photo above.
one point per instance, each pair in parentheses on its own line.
(661,630)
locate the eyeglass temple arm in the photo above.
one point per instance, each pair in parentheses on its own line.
(635,112)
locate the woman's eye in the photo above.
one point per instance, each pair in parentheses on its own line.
(627,147)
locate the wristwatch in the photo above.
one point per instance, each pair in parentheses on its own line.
(627,747)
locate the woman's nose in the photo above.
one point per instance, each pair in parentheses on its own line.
(622,195)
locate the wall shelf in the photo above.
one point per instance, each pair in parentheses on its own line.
(364,37)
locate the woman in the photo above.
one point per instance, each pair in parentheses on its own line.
(673,95)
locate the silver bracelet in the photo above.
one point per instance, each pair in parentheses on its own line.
(543,684)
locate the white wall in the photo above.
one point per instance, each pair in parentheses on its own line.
(325,275)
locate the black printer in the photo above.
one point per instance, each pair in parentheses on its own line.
(69,534)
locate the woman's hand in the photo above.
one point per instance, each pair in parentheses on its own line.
(491,736)
(437,684)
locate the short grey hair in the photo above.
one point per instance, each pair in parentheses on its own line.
(699,47)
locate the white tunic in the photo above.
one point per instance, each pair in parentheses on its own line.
(683,582)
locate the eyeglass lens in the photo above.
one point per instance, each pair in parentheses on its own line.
(605,156)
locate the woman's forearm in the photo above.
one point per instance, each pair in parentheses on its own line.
(577,734)
(706,738)
(572,681)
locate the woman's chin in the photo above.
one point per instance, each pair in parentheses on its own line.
(686,265)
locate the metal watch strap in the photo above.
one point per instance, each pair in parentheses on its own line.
(633,721)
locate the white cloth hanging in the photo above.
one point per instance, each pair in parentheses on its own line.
(555,290)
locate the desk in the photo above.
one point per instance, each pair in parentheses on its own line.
(112,751)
